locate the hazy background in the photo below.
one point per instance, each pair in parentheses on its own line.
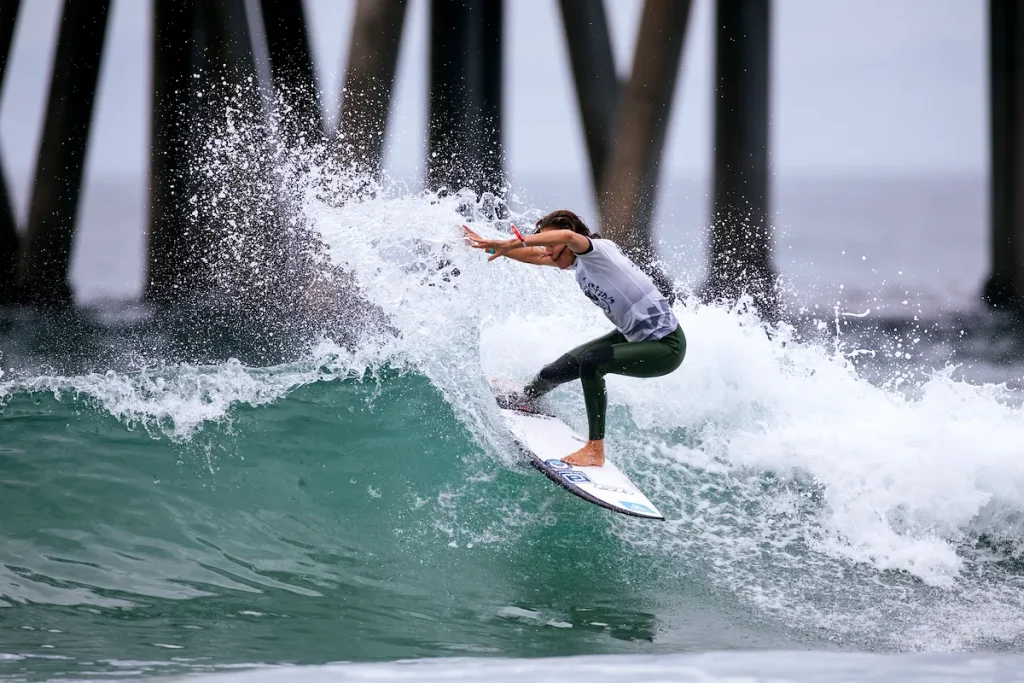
(866,95)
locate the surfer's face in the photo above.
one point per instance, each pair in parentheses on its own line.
(561,255)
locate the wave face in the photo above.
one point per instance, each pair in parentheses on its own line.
(358,499)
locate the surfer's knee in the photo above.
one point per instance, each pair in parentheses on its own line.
(592,362)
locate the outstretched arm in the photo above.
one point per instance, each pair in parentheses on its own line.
(528,250)
(532,255)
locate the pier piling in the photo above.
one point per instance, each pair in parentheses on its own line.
(175,60)
(9,243)
(630,188)
(291,67)
(740,258)
(46,249)
(598,89)
(228,45)
(366,99)
(1005,285)
(8,225)
(464,139)
(204,58)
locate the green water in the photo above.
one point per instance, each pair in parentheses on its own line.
(328,478)
(302,461)
(353,519)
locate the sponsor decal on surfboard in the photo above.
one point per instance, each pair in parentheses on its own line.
(635,507)
(546,439)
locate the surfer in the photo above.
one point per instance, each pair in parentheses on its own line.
(647,342)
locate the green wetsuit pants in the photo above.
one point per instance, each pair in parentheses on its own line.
(611,353)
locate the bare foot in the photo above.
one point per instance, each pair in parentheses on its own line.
(591,455)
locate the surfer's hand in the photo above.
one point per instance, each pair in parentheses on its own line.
(496,248)
(477,242)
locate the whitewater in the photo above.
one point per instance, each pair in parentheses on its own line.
(357,499)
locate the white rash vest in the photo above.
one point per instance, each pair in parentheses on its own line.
(624,292)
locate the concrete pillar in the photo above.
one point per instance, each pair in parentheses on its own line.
(228,43)
(210,38)
(366,100)
(1005,286)
(175,60)
(464,143)
(631,182)
(740,259)
(9,243)
(8,224)
(8,19)
(291,67)
(597,82)
(45,252)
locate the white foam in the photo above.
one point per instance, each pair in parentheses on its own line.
(881,479)
(869,476)
(901,481)
(177,400)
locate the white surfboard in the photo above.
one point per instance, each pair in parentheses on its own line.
(546,439)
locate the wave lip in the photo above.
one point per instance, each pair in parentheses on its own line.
(177,400)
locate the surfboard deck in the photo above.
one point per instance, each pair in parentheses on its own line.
(545,439)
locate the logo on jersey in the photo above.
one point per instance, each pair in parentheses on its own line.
(598,296)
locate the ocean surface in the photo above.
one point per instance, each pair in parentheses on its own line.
(844,491)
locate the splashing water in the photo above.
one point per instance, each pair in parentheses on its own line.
(799,493)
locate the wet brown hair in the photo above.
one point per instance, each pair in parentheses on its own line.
(565,220)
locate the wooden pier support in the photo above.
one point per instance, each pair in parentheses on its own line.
(1005,285)
(46,250)
(740,259)
(597,83)
(464,140)
(9,243)
(366,99)
(210,38)
(631,182)
(8,224)
(625,126)
(291,68)
(228,47)
(175,60)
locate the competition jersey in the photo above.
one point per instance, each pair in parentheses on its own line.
(626,295)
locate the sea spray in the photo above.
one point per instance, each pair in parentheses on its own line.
(799,494)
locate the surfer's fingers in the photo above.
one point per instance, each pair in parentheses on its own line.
(472,239)
(491,246)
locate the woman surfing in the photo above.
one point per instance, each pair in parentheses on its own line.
(647,342)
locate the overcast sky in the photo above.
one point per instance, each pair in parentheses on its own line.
(856,85)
